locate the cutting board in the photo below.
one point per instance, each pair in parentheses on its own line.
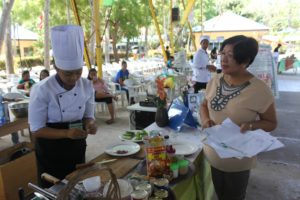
(121,167)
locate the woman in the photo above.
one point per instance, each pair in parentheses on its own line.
(121,76)
(61,108)
(44,74)
(26,82)
(102,94)
(239,95)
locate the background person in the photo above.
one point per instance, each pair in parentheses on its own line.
(61,108)
(121,76)
(44,74)
(26,82)
(202,68)
(102,93)
(247,101)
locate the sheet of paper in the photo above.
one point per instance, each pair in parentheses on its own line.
(228,141)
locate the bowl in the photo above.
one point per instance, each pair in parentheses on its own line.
(20,110)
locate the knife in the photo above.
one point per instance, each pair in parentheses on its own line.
(42,191)
(89,164)
(61,184)
(58,185)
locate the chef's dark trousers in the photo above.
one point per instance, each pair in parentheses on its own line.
(199,86)
(58,157)
(230,185)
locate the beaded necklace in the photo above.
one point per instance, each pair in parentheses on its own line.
(224,93)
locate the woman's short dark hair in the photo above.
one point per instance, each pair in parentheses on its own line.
(45,71)
(91,70)
(244,48)
(25,72)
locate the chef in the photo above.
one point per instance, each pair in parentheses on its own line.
(202,68)
(61,108)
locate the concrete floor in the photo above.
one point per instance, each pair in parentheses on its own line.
(277,174)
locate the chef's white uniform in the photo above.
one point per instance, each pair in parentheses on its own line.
(200,72)
(50,103)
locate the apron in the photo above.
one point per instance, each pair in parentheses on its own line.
(59,157)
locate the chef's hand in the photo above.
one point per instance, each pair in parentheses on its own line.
(91,127)
(75,133)
(211,68)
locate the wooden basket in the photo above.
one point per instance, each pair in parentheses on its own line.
(113,192)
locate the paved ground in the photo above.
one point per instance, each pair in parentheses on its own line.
(277,175)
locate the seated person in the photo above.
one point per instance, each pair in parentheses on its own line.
(121,76)
(213,53)
(26,82)
(102,94)
(44,74)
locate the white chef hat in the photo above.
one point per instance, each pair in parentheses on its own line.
(204,37)
(68,45)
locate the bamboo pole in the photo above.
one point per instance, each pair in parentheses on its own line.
(77,19)
(157,30)
(171,29)
(99,59)
(191,2)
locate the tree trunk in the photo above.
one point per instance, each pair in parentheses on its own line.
(46,35)
(127,48)
(114,41)
(146,41)
(3,22)
(106,49)
(68,12)
(8,50)
(93,37)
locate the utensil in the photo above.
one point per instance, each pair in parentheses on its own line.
(80,166)
(39,195)
(57,184)
(42,191)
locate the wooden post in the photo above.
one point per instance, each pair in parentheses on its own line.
(158,30)
(77,19)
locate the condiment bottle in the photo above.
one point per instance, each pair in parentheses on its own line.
(183,167)
(174,168)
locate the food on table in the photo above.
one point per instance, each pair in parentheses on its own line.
(128,135)
(170,149)
(121,152)
(138,135)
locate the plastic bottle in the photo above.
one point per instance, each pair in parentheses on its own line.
(2,113)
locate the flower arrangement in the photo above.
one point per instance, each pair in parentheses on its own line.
(161,94)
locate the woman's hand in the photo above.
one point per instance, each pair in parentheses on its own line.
(208,123)
(76,133)
(246,127)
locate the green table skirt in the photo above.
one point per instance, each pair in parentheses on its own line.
(198,187)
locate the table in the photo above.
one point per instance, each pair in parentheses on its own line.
(198,187)
(133,109)
(14,126)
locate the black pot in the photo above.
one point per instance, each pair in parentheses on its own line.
(161,117)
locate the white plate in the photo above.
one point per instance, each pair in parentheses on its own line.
(130,147)
(185,148)
(125,188)
(133,139)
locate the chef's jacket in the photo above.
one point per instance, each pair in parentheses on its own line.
(200,72)
(51,103)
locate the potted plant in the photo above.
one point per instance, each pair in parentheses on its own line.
(161,116)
